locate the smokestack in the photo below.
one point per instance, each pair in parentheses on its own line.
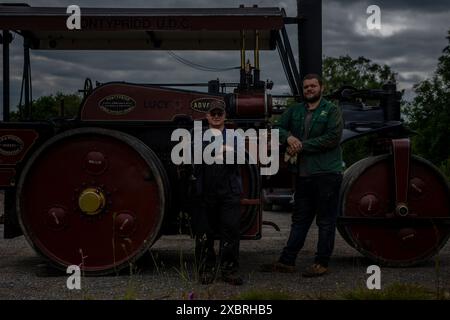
(310,36)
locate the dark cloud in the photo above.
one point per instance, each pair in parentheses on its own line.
(410,42)
(415,5)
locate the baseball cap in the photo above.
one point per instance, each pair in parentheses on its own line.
(216,105)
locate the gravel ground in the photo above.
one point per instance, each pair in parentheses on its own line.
(24,276)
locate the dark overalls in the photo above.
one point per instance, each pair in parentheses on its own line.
(217,213)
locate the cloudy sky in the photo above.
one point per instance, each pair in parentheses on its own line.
(410,41)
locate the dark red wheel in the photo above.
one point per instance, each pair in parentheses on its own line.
(369,221)
(251,187)
(92,197)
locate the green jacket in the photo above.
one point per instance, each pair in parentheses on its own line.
(321,151)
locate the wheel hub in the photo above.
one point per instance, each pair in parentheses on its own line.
(91,201)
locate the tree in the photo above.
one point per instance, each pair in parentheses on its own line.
(47,107)
(359,73)
(429,115)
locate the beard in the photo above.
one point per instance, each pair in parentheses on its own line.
(313,98)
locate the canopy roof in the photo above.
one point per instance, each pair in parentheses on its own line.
(143,28)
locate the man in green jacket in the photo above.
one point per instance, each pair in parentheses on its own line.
(312,131)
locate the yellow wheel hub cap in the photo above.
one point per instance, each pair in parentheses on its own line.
(91,201)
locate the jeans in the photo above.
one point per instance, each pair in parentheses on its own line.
(315,196)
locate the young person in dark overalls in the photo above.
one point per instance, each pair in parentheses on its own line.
(218,188)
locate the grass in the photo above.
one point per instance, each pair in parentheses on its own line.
(395,291)
(188,272)
(131,292)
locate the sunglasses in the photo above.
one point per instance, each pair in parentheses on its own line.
(216,113)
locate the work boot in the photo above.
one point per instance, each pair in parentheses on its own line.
(277,266)
(316,270)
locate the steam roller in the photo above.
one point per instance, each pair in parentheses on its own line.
(395,208)
(94,198)
(99,189)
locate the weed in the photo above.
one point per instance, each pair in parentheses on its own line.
(188,272)
(158,266)
(131,291)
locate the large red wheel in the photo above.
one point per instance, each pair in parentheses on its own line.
(251,186)
(92,197)
(369,221)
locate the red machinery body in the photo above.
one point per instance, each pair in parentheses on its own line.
(129,102)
